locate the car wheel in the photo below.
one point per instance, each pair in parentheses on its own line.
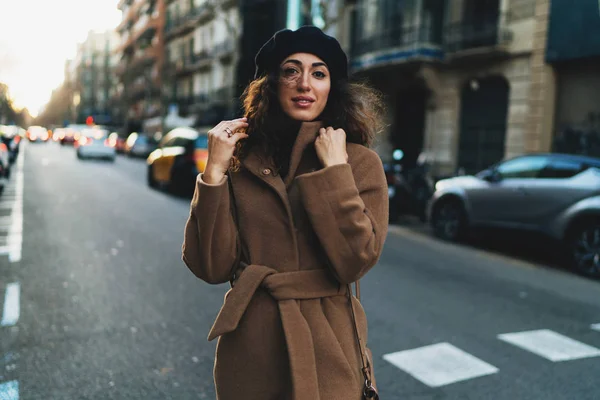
(585,248)
(150,177)
(449,221)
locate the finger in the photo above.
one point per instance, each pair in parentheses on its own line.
(238,136)
(322,131)
(235,125)
(330,129)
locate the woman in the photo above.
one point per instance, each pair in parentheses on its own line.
(312,211)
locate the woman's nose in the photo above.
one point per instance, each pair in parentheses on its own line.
(304,82)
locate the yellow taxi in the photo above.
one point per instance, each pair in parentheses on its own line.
(181,155)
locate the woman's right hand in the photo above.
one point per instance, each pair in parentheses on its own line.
(221,145)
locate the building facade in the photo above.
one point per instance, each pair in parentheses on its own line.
(465,80)
(91,78)
(202,45)
(573,51)
(141,58)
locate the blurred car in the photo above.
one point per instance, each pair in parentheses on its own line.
(37,134)
(181,155)
(93,143)
(117,141)
(557,195)
(71,133)
(58,133)
(10,136)
(140,145)
(4,162)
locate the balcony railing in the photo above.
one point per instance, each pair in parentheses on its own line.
(398,44)
(224,48)
(181,24)
(476,34)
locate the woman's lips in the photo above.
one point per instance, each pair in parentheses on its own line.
(302,102)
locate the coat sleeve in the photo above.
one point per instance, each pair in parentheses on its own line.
(348,208)
(209,242)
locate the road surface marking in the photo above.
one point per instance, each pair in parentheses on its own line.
(9,390)
(550,345)
(15,232)
(440,364)
(11,312)
(596,327)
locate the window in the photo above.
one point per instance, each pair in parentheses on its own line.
(558,169)
(523,167)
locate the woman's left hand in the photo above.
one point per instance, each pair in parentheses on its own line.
(331,146)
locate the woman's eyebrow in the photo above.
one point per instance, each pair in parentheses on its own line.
(299,63)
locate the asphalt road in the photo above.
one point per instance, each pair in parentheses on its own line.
(96,304)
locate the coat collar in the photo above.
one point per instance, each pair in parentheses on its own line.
(260,165)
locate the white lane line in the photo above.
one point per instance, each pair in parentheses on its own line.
(550,345)
(12,305)
(440,364)
(9,390)
(15,231)
(596,327)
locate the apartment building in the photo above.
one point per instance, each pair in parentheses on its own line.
(464,79)
(140,69)
(202,46)
(573,55)
(92,80)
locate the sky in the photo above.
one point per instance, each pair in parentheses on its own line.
(38,36)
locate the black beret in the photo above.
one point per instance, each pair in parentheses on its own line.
(306,39)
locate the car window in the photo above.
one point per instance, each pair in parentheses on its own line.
(202,142)
(522,167)
(557,168)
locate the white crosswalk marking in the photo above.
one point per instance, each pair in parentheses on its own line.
(440,364)
(550,345)
(596,327)
(9,390)
(12,305)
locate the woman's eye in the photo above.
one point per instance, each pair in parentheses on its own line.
(320,74)
(289,71)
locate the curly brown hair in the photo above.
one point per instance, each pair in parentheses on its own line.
(353,106)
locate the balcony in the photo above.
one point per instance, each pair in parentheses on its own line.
(142,88)
(477,38)
(201,60)
(146,26)
(181,25)
(189,64)
(224,49)
(142,58)
(397,45)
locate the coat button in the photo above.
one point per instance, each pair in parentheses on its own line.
(266,171)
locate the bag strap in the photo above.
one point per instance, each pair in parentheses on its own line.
(369,390)
(242,252)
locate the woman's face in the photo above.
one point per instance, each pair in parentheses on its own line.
(304,84)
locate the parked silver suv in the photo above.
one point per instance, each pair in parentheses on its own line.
(556,194)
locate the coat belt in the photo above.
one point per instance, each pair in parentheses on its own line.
(285,288)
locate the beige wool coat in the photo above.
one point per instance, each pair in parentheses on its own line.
(285,330)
